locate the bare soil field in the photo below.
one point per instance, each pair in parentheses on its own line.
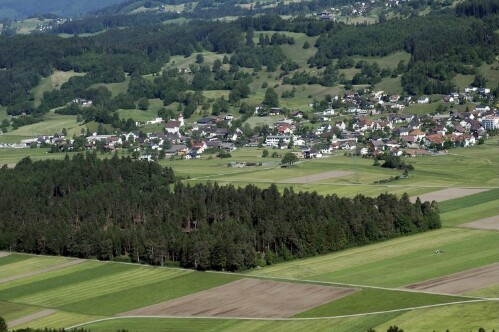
(449,193)
(461,282)
(247,298)
(29,318)
(317,177)
(48,269)
(491,223)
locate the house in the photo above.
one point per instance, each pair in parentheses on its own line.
(423,100)
(155,121)
(172,127)
(273,140)
(227,146)
(417,134)
(490,122)
(199,146)
(298,115)
(275,111)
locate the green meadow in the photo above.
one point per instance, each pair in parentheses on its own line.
(396,262)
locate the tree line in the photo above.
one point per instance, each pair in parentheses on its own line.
(114,208)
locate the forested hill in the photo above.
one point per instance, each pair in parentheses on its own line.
(19,9)
(88,207)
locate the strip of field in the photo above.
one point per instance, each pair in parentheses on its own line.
(461,282)
(45,270)
(32,317)
(31,264)
(491,223)
(447,194)
(378,264)
(248,298)
(317,177)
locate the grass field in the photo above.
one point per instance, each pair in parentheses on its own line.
(414,255)
(52,82)
(53,123)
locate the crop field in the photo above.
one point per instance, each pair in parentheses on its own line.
(462,249)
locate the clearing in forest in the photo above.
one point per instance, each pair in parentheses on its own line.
(247,298)
(461,282)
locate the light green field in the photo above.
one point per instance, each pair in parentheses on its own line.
(414,255)
(53,123)
(139,115)
(491,74)
(29,265)
(11,311)
(368,301)
(461,317)
(27,26)
(114,88)
(52,82)
(157,325)
(59,318)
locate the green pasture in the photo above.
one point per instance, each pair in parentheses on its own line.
(52,82)
(158,324)
(396,262)
(12,156)
(114,88)
(28,265)
(491,74)
(469,214)
(459,317)
(368,301)
(470,208)
(95,288)
(139,115)
(52,123)
(12,311)
(390,85)
(58,319)
(490,291)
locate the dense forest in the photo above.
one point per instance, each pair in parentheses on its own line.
(111,208)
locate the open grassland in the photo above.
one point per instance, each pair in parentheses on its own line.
(368,301)
(158,324)
(11,311)
(90,289)
(491,74)
(53,123)
(52,82)
(114,88)
(414,255)
(460,317)
(143,116)
(30,264)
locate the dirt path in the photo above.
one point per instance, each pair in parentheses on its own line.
(29,318)
(48,269)
(461,282)
(317,177)
(4,253)
(491,223)
(449,193)
(248,298)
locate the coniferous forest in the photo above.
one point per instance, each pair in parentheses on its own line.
(136,210)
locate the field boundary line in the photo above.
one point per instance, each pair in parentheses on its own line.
(285,319)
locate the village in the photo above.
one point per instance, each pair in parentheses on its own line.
(367,124)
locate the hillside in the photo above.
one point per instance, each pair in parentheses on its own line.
(19,9)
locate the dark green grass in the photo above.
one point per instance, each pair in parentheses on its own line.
(13,258)
(63,280)
(374,300)
(468,201)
